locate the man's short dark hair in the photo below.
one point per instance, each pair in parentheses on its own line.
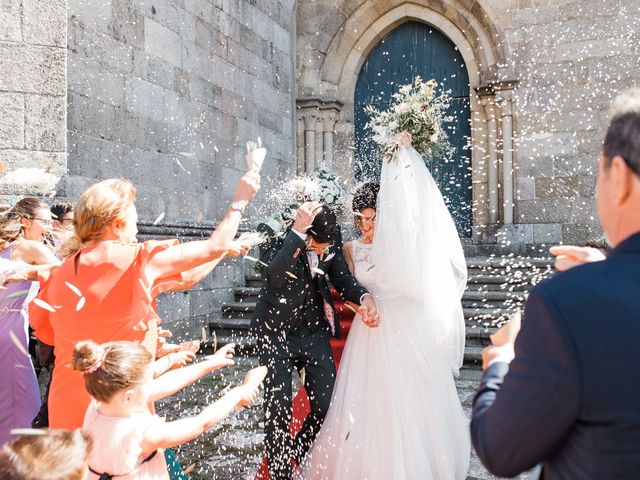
(324,224)
(623,136)
(59,210)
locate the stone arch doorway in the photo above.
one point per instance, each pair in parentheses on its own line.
(412,49)
(330,60)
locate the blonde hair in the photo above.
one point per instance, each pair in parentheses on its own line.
(11,228)
(45,455)
(100,205)
(110,367)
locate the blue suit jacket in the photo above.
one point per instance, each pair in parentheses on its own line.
(571,397)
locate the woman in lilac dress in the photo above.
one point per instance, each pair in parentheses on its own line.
(22,233)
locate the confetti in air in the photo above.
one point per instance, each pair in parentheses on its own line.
(31,178)
(158,219)
(44,305)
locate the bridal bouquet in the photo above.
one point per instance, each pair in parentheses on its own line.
(414,119)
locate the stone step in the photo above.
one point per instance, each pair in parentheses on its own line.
(236,330)
(246,294)
(244,310)
(250,294)
(238,309)
(494,296)
(473,355)
(512,262)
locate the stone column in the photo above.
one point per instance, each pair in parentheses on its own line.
(492,167)
(319,155)
(299,145)
(328,126)
(310,121)
(505,101)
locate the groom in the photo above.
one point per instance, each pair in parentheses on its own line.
(294,320)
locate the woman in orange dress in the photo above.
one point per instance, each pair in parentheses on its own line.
(103,291)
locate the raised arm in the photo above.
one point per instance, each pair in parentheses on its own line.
(282,259)
(34,253)
(190,255)
(165,435)
(175,380)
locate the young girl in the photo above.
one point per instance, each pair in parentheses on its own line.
(45,454)
(128,440)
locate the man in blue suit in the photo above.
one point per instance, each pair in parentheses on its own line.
(567,395)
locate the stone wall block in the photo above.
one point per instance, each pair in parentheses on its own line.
(11,21)
(109,52)
(12,120)
(174,306)
(32,69)
(534,16)
(45,22)
(45,127)
(525,188)
(528,166)
(145,98)
(90,116)
(93,80)
(89,14)
(163,12)
(587,185)
(556,187)
(200,8)
(162,42)
(584,210)
(547,144)
(577,234)
(549,233)
(127,23)
(153,69)
(584,164)
(543,210)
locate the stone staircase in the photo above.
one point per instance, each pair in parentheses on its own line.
(496,288)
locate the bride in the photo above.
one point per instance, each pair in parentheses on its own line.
(395,412)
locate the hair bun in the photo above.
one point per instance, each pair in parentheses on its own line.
(87,356)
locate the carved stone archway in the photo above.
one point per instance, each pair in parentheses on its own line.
(329,64)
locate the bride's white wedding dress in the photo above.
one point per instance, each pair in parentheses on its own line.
(395,413)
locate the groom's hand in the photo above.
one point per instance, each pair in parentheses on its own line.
(369,311)
(305,215)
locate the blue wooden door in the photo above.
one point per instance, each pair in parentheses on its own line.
(410,50)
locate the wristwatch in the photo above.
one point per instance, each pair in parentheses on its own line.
(238,206)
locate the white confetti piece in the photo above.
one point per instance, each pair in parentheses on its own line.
(44,305)
(80,304)
(158,219)
(18,343)
(73,288)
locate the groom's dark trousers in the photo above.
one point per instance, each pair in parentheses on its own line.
(293,329)
(570,400)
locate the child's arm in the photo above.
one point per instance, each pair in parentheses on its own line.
(175,380)
(171,434)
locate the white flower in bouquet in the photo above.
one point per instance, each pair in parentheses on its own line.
(418,112)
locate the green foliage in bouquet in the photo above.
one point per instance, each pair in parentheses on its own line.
(418,110)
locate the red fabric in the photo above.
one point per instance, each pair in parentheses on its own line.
(301,402)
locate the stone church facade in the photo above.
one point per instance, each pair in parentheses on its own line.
(166,92)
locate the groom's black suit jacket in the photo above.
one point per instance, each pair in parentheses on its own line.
(571,397)
(291,296)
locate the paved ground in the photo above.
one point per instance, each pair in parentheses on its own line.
(233,449)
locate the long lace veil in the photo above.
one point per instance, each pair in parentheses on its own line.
(418,258)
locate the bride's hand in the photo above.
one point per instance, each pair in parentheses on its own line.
(369,312)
